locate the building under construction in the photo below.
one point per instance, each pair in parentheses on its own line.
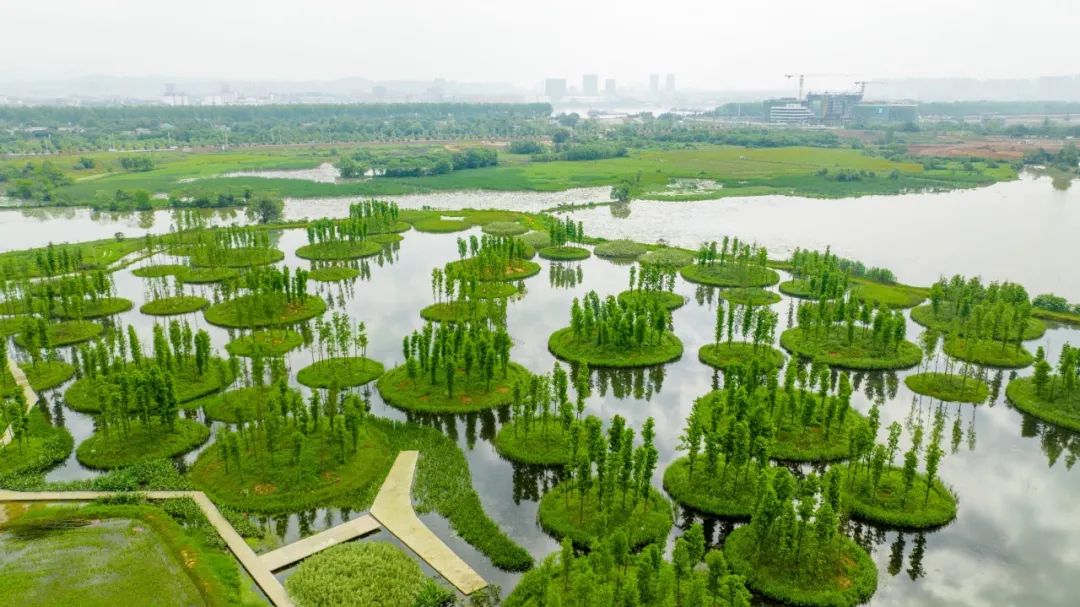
(838,109)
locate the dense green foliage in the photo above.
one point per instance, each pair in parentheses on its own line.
(48,374)
(366,574)
(37,444)
(612,334)
(967,308)
(117,447)
(742,265)
(620,249)
(55,334)
(333,273)
(792,550)
(611,574)
(873,489)
(342,372)
(268,342)
(990,353)
(750,296)
(609,489)
(1050,395)
(266,309)
(171,306)
(949,387)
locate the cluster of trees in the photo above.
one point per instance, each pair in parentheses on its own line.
(541,400)
(738,424)
(1066,159)
(488,257)
(826,319)
(998,311)
(1063,384)
(652,279)
(871,460)
(453,352)
(214,247)
(582,151)
(610,574)
(526,146)
(415,163)
(14,415)
(47,129)
(52,260)
(732,252)
(755,323)
(285,430)
(610,467)
(796,523)
(563,232)
(267,292)
(818,274)
(1055,303)
(33,181)
(138,164)
(338,337)
(618,324)
(365,218)
(807,263)
(70,294)
(128,384)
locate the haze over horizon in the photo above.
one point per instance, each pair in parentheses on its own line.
(708,46)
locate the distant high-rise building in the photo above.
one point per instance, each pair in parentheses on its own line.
(654,83)
(609,87)
(669,83)
(590,85)
(555,88)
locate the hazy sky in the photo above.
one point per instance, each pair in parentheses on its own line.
(708,43)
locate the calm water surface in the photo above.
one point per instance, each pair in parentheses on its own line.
(1015,541)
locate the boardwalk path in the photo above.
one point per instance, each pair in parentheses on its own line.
(28,393)
(393,510)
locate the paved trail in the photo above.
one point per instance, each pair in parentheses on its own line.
(28,393)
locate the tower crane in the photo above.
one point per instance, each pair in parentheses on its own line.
(802,79)
(862,85)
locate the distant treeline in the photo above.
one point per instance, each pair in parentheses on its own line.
(960,109)
(53,129)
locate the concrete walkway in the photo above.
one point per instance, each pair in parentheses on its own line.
(301,549)
(393,508)
(28,393)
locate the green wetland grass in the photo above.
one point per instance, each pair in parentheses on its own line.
(949,387)
(540,444)
(564,346)
(342,372)
(729,354)
(563,513)
(847,578)
(140,444)
(363,574)
(730,275)
(920,507)
(861,354)
(1054,405)
(102,555)
(172,306)
(470,394)
(267,342)
(67,333)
